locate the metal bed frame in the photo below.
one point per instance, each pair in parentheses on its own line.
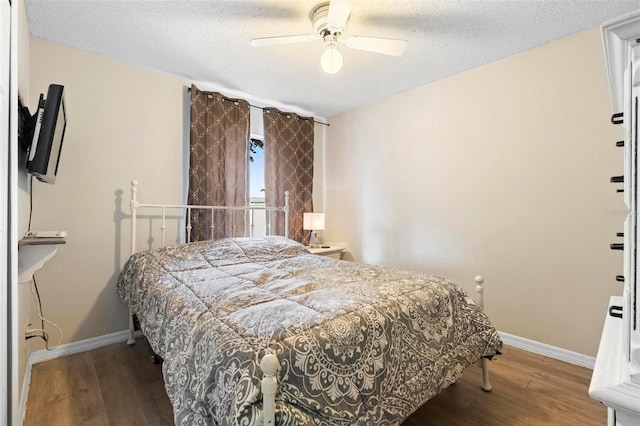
(269,363)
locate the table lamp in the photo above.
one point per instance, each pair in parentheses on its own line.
(313,222)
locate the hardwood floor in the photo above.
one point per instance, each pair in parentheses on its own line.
(118,385)
(113,385)
(528,389)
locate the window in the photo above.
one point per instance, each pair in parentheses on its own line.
(256,185)
(256,170)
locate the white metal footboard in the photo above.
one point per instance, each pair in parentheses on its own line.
(270,366)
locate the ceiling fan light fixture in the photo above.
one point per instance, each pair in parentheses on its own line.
(331,59)
(329,20)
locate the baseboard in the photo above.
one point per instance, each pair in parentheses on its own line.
(24,394)
(548,350)
(80,346)
(64,350)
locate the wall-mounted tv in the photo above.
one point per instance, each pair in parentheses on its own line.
(43,134)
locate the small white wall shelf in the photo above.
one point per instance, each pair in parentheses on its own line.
(33,253)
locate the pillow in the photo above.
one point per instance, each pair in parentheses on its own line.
(269,248)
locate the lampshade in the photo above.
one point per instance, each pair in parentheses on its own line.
(313,221)
(331,59)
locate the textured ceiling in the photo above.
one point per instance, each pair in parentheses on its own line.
(208,41)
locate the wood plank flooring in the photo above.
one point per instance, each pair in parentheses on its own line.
(118,385)
(113,385)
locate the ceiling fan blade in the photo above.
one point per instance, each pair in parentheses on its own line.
(273,41)
(385,46)
(339,11)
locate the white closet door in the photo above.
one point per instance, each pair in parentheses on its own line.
(5,33)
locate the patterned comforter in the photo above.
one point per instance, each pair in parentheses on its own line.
(357,344)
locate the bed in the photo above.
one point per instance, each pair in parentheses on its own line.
(338,342)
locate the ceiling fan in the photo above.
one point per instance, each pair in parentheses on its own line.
(329,21)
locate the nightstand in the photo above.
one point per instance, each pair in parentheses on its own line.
(334,252)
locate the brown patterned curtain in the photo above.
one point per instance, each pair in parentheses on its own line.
(219,164)
(288,162)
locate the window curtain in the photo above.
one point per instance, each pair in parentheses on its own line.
(288,162)
(219,164)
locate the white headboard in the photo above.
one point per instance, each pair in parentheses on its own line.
(134,205)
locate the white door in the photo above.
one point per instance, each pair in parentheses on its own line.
(5,19)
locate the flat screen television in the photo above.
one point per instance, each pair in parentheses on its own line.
(48,125)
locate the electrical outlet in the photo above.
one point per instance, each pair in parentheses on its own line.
(27,324)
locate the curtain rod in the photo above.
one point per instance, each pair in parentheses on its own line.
(280,112)
(263,108)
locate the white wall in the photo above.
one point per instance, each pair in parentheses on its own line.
(501,171)
(124,123)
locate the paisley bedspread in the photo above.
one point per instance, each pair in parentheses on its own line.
(357,344)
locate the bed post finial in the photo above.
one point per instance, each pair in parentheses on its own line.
(486,386)
(134,189)
(479,279)
(133,202)
(269,366)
